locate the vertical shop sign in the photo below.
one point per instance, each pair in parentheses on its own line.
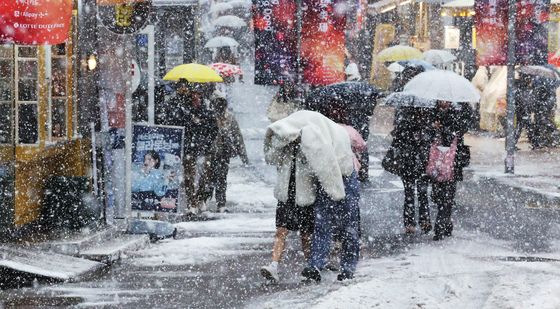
(274,23)
(491,27)
(531,32)
(157,154)
(323,41)
(35,22)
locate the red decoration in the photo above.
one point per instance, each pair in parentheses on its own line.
(35,22)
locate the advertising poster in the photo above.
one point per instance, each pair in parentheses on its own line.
(531,32)
(275,28)
(157,153)
(323,41)
(35,22)
(491,19)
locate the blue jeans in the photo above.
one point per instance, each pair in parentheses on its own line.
(341,218)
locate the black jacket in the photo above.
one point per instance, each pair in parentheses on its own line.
(199,122)
(412,137)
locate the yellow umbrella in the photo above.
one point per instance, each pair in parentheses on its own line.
(194,73)
(398,53)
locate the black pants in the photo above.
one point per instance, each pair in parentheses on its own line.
(443,195)
(363,173)
(214,180)
(411,186)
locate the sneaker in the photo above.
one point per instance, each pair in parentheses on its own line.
(311,273)
(345,276)
(270,273)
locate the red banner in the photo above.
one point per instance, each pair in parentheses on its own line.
(323,41)
(531,32)
(35,22)
(491,20)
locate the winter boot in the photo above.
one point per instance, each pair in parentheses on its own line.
(345,275)
(311,273)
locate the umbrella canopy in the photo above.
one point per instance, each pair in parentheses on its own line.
(353,95)
(240,3)
(542,71)
(438,56)
(220,7)
(399,99)
(398,53)
(399,66)
(226,69)
(229,21)
(194,73)
(442,85)
(221,41)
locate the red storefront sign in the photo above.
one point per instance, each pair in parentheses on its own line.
(35,22)
(531,32)
(323,41)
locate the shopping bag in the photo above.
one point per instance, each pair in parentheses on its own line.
(441,161)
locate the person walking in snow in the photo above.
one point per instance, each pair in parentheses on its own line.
(449,126)
(189,108)
(312,154)
(408,154)
(227,145)
(284,102)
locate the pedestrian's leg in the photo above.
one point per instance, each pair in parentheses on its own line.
(206,183)
(423,204)
(279,243)
(221,183)
(323,231)
(270,272)
(189,165)
(444,195)
(348,219)
(363,174)
(408,208)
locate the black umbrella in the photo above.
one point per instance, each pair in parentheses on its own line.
(352,96)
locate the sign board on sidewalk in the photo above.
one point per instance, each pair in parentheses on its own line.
(35,22)
(157,156)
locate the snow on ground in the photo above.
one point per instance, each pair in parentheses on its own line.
(467,271)
(196,251)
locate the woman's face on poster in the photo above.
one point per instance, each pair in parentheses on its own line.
(149,162)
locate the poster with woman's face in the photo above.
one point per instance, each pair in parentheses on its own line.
(157,153)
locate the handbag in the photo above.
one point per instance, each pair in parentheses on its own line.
(441,162)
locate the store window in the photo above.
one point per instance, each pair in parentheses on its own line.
(58,102)
(27,94)
(6,92)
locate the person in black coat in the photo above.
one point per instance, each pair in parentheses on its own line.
(449,124)
(411,144)
(188,109)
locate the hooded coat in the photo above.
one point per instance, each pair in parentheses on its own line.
(324,155)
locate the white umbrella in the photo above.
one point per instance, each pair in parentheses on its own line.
(221,41)
(442,85)
(220,7)
(438,56)
(229,21)
(240,3)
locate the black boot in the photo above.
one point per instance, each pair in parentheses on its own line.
(311,273)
